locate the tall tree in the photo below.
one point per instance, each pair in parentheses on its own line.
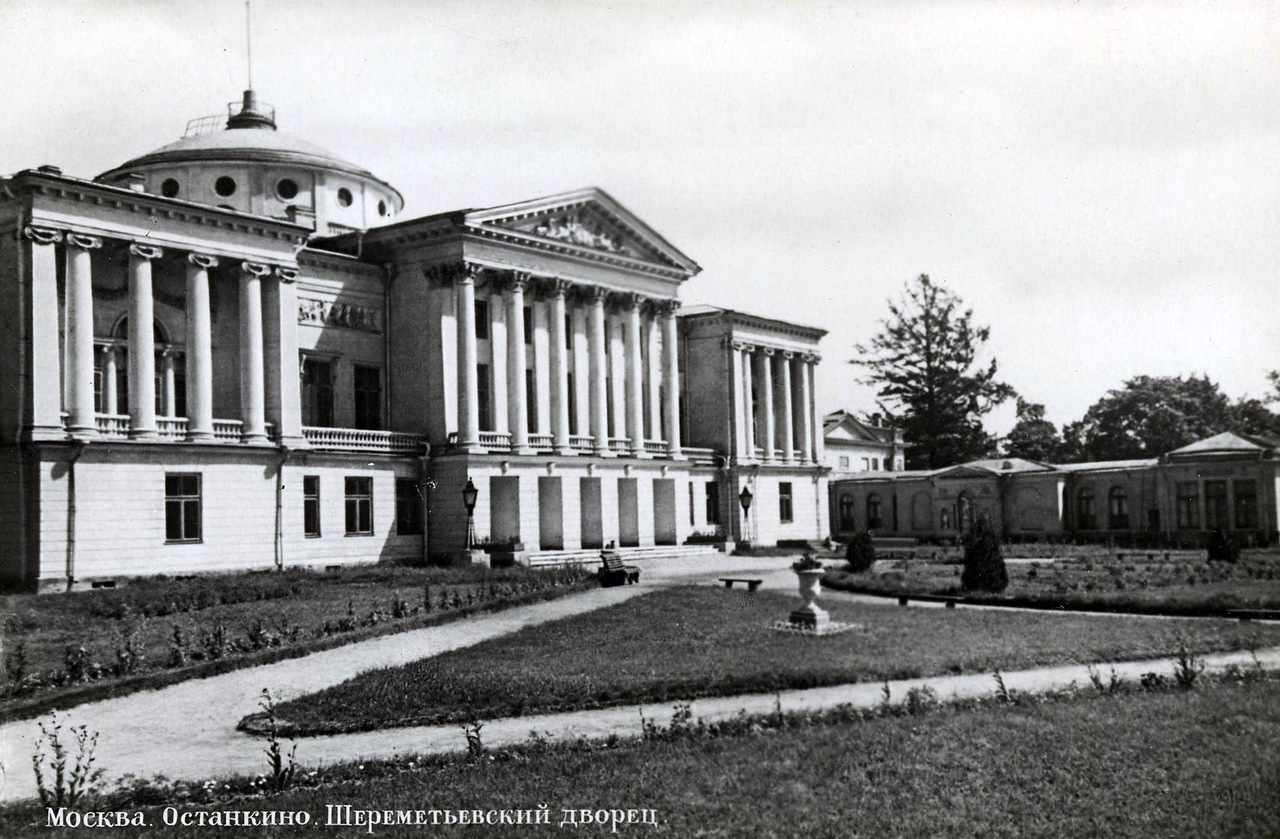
(924,362)
(1152,415)
(1033,437)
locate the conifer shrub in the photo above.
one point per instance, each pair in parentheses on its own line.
(861,553)
(1222,548)
(983,562)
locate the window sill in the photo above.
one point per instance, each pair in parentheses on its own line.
(184,541)
(370,533)
(311,535)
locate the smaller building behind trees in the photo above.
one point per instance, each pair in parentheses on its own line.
(1226,482)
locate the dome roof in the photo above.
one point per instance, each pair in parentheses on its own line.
(250,136)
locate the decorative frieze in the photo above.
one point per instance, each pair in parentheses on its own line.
(343,315)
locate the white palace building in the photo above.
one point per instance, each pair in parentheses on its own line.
(231,353)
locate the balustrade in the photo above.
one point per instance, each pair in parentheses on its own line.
(362,440)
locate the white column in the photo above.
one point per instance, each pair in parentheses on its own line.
(804,409)
(655,374)
(45,385)
(819,442)
(599,412)
(110,378)
(739,427)
(199,348)
(142,345)
(766,403)
(748,402)
(559,371)
(80,412)
(468,392)
(635,375)
(280,342)
(169,379)
(517,392)
(253,400)
(788,413)
(671,377)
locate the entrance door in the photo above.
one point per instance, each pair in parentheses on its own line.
(591,521)
(504,510)
(550,515)
(628,513)
(664,511)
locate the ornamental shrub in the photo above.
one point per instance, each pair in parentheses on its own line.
(983,563)
(861,553)
(1222,548)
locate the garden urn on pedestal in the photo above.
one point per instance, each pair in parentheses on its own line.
(810,616)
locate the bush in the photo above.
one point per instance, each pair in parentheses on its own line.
(861,553)
(1222,548)
(983,563)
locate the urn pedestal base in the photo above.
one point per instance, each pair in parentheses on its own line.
(810,617)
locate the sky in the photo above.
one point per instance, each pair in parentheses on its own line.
(1100,182)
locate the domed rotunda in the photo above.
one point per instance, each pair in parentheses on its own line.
(241,162)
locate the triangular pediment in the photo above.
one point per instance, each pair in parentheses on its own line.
(963,471)
(588,221)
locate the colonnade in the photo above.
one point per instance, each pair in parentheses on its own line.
(561,295)
(262,377)
(774,405)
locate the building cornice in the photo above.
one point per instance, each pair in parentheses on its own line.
(34,182)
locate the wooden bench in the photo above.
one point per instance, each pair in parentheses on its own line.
(751,583)
(614,573)
(947,601)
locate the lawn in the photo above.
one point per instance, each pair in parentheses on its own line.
(1165,763)
(1117,580)
(68,648)
(701,641)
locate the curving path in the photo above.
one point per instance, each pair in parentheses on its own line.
(188,731)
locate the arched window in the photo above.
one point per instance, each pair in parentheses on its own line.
(846,512)
(1118,508)
(1085,518)
(873,511)
(120,349)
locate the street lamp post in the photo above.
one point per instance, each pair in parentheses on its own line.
(469,494)
(744,498)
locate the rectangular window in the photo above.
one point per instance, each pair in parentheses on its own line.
(408,507)
(573,404)
(368,397)
(875,464)
(531,400)
(713,502)
(1188,505)
(844,463)
(528,325)
(784,501)
(482,319)
(99,400)
(1215,505)
(692,508)
(483,407)
(317,393)
(359,493)
(182,508)
(311,506)
(1246,504)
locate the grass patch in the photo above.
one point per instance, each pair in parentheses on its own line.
(62,650)
(1165,762)
(1138,581)
(699,641)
